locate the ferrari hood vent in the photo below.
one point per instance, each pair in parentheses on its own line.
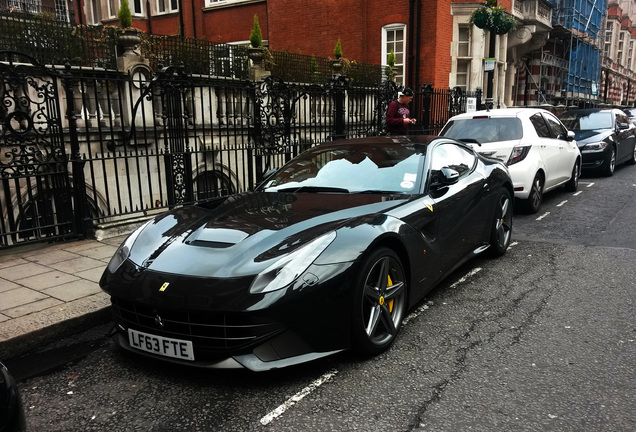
(216,237)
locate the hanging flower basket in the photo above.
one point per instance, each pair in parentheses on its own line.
(493,18)
(503,23)
(481,17)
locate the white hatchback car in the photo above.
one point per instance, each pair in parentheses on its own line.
(541,154)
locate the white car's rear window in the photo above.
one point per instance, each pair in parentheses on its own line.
(484,130)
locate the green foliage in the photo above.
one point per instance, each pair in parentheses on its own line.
(124,15)
(494,18)
(337,51)
(256,37)
(390,60)
(313,65)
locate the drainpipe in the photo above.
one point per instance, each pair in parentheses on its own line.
(80,12)
(148,19)
(181,18)
(418,42)
(409,38)
(194,20)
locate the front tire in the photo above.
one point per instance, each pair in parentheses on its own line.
(573,184)
(533,202)
(610,163)
(501,231)
(379,304)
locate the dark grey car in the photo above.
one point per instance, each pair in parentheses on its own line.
(606,138)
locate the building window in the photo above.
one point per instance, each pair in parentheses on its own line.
(464,57)
(393,38)
(93,12)
(136,8)
(167,6)
(463,72)
(29,7)
(608,39)
(463,41)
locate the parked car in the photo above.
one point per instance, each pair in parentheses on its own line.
(11,410)
(329,253)
(606,137)
(539,151)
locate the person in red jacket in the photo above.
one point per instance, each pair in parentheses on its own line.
(398,115)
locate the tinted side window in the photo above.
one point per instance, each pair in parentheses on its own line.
(540,126)
(557,129)
(454,157)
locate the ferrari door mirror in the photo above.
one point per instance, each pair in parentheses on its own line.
(449,176)
(444,177)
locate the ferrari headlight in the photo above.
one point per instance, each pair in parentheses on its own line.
(518,154)
(288,268)
(123,251)
(596,146)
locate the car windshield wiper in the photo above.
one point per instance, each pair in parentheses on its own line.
(379,191)
(314,189)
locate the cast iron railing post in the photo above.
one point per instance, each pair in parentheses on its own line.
(427,93)
(82,221)
(478,94)
(339,105)
(255,161)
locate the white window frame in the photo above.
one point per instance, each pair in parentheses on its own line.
(131,3)
(93,12)
(139,13)
(461,60)
(467,62)
(223,3)
(168,4)
(401,73)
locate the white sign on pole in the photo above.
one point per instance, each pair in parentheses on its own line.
(471,104)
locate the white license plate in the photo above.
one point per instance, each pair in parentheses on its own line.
(176,348)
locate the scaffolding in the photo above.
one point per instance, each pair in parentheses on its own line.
(577,25)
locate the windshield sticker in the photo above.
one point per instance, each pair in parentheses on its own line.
(410,177)
(407,184)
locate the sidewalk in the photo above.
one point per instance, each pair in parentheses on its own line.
(47,290)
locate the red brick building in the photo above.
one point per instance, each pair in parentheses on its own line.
(423,33)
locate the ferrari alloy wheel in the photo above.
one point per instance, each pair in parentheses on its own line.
(502,225)
(610,164)
(573,184)
(380,302)
(533,202)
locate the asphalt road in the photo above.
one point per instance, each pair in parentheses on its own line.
(542,339)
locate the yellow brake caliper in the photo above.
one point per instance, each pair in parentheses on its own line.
(390,283)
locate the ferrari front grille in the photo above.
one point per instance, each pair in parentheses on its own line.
(210,332)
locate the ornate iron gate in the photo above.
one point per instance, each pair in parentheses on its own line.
(36,196)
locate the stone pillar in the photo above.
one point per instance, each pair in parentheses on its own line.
(258,70)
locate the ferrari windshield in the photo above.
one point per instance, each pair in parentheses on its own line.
(357,168)
(587,120)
